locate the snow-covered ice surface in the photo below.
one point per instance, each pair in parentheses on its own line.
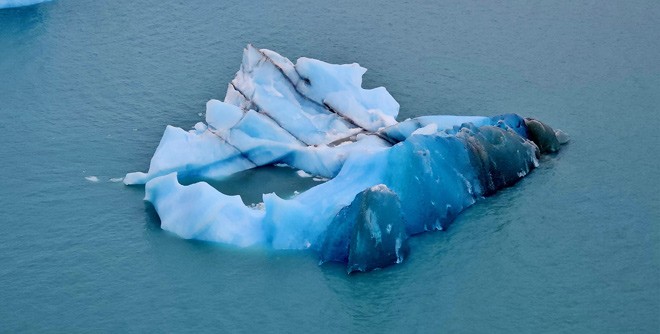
(19,3)
(274,112)
(387,180)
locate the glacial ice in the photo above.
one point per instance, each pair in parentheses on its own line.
(387,180)
(370,233)
(19,3)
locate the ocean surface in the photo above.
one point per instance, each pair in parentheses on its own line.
(87,88)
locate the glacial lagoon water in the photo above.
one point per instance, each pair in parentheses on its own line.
(87,87)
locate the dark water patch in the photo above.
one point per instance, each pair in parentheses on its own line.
(251,184)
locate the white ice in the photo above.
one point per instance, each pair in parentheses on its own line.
(275,112)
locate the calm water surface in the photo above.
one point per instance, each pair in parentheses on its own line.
(87,87)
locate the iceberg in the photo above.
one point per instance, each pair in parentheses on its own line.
(386,180)
(19,3)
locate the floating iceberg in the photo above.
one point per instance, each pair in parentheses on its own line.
(19,3)
(387,180)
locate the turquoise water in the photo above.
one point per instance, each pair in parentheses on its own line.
(87,87)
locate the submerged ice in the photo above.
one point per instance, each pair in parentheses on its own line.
(19,3)
(387,180)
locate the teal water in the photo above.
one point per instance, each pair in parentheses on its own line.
(87,87)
